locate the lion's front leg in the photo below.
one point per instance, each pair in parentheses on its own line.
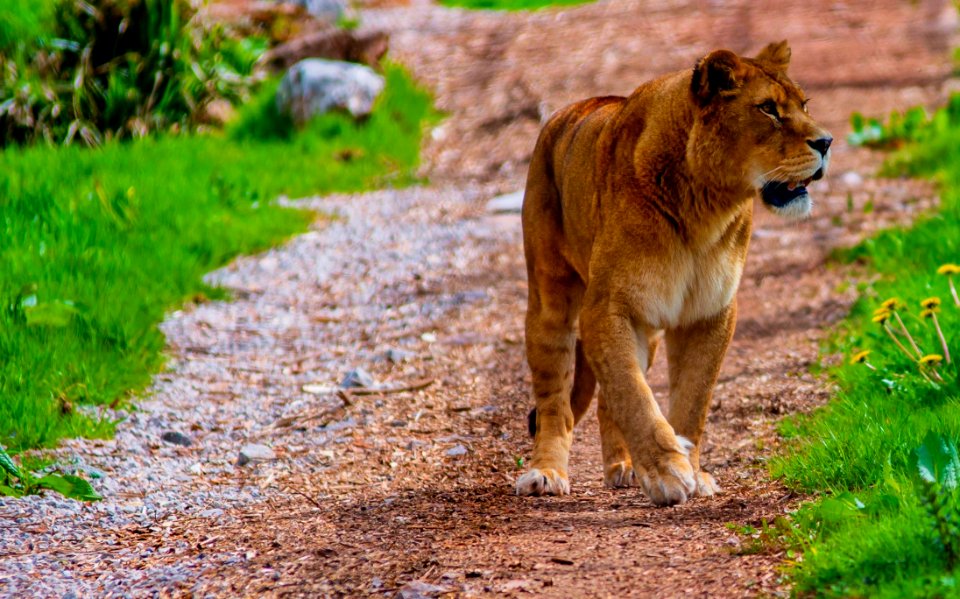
(658,456)
(695,353)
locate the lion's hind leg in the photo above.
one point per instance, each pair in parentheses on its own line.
(550,332)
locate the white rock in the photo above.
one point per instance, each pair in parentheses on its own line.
(315,86)
(420,590)
(358,377)
(325,10)
(255,453)
(508,203)
(457,451)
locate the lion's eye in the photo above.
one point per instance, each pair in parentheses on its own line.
(769,108)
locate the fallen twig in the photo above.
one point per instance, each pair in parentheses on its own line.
(347,394)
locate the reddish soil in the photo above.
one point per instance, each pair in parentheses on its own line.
(389,516)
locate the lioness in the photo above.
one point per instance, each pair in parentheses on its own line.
(636,220)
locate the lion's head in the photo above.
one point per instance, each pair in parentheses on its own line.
(751,111)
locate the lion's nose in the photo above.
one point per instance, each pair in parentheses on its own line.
(821,145)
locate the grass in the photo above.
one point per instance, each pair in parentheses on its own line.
(511,4)
(24,21)
(878,527)
(96,245)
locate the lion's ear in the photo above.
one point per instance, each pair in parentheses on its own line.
(776,55)
(715,73)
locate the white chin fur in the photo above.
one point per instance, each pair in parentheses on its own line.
(798,209)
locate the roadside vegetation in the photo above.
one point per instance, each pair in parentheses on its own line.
(116,196)
(882,455)
(511,4)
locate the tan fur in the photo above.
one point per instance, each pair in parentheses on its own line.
(636,221)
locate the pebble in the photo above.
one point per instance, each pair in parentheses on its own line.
(358,377)
(511,203)
(420,590)
(456,450)
(255,453)
(397,356)
(177,438)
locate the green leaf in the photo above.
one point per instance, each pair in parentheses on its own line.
(10,491)
(7,464)
(834,510)
(938,462)
(70,486)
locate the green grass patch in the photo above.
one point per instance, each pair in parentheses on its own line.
(96,245)
(880,527)
(24,22)
(511,4)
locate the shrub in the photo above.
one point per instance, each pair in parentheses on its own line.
(117,69)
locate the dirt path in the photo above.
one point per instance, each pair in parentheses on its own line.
(412,492)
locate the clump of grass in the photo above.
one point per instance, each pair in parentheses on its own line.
(92,70)
(24,23)
(896,393)
(99,243)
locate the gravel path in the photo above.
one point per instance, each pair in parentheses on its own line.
(410,491)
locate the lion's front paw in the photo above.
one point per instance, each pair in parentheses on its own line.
(706,485)
(546,481)
(620,475)
(672,480)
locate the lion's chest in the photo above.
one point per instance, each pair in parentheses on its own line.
(691,287)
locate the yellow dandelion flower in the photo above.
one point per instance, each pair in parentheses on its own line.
(880,311)
(891,304)
(930,302)
(931,359)
(859,357)
(881,317)
(929,312)
(949,269)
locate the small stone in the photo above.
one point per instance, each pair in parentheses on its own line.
(456,451)
(511,203)
(325,10)
(429,337)
(417,589)
(175,438)
(255,453)
(397,356)
(358,377)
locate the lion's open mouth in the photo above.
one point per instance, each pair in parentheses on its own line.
(781,193)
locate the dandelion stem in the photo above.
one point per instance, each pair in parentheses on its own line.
(893,336)
(953,291)
(907,334)
(943,341)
